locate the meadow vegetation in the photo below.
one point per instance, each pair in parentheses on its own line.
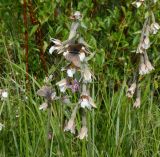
(115,127)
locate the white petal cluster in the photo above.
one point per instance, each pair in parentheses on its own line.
(86,101)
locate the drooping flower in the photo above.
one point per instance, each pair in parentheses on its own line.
(154,28)
(73,58)
(137,103)
(83,133)
(76,53)
(144,41)
(142,67)
(86,101)
(47,93)
(145,66)
(131,90)
(147,62)
(86,74)
(70,126)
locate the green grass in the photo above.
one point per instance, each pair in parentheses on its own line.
(115,127)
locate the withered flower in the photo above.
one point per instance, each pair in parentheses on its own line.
(71,123)
(83,133)
(137,103)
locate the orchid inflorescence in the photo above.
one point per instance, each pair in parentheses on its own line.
(145,66)
(78,75)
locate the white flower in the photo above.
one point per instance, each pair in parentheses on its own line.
(70,126)
(154,28)
(1,126)
(4,94)
(83,133)
(71,72)
(62,85)
(43,106)
(86,101)
(131,90)
(82,56)
(137,103)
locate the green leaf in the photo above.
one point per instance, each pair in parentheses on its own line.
(33,30)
